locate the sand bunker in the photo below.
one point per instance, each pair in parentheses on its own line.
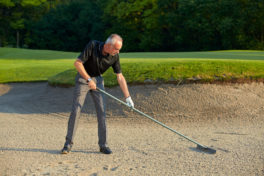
(229,118)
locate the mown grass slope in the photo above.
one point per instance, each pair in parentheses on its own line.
(23,65)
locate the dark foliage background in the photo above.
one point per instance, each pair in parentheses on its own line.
(145,25)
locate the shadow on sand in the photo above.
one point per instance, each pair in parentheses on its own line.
(46,151)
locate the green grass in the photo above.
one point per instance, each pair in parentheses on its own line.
(229,54)
(23,65)
(14,53)
(174,70)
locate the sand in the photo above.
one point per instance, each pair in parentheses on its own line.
(228,118)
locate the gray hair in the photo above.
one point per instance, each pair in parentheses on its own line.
(113,38)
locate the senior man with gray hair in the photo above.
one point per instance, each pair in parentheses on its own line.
(96,58)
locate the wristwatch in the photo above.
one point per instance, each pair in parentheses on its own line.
(89,79)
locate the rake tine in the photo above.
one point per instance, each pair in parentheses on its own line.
(206,149)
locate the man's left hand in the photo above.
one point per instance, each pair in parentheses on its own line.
(129,102)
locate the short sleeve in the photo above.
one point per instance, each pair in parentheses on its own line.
(87,52)
(116,66)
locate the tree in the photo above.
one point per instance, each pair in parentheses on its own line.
(145,25)
(17,15)
(68,27)
(251,33)
(5,5)
(133,20)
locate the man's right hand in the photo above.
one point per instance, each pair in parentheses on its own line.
(92,85)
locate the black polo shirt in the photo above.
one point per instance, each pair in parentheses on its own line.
(95,63)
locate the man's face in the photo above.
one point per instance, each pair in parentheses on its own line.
(114,49)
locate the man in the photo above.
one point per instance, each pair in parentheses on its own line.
(96,58)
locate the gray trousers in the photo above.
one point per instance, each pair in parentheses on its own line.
(80,92)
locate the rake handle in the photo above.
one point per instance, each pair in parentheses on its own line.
(151,118)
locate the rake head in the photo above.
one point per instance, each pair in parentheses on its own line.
(206,149)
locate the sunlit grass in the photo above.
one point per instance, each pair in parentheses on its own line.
(22,65)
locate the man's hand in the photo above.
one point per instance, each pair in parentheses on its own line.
(92,85)
(129,102)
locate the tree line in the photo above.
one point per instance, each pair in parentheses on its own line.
(145,25)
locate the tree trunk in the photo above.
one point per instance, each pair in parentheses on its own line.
(262,35)
(17,39)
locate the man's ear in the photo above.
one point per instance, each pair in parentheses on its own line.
(107,47)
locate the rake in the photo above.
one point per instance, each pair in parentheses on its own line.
(199,147)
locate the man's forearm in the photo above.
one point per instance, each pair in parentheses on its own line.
(123,85)
(80,68)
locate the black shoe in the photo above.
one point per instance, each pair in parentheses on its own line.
(105,150)
(66,149)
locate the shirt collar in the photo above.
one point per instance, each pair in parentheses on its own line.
(101,49)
